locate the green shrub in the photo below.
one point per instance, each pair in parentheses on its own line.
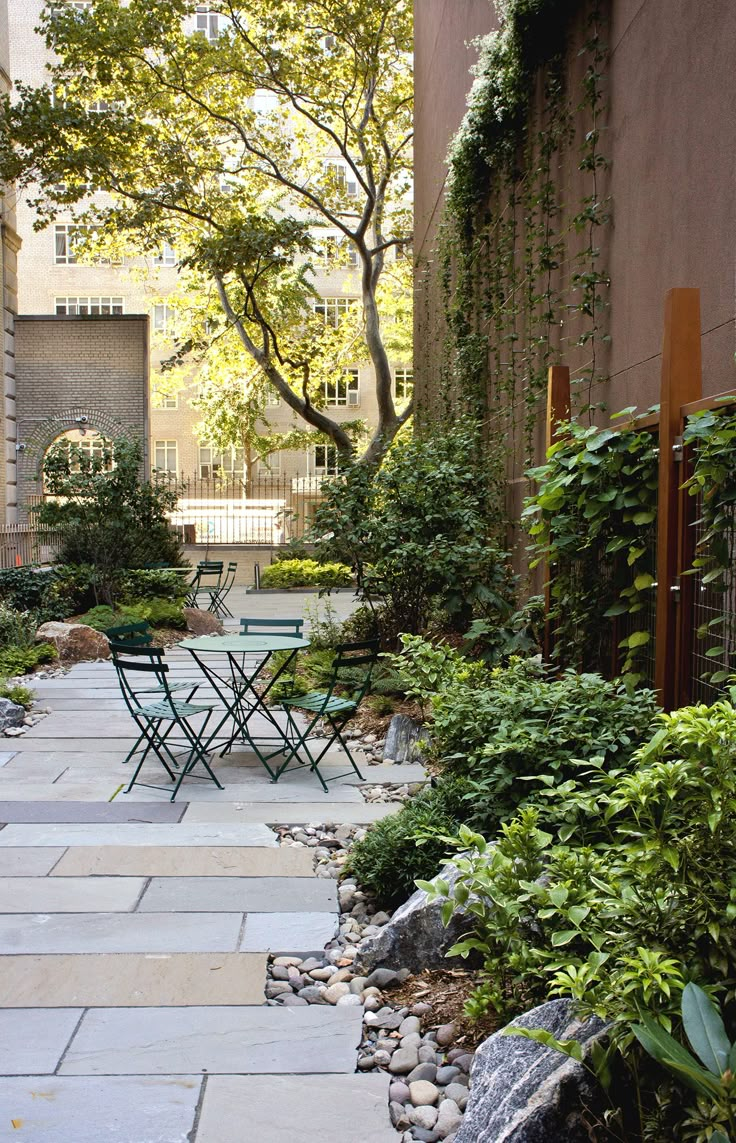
(417,533)
(18,694)
(305,573)
(136,584)
(104,616)
(526,731)
(17,628)
(622,926)
(157,612)
(26,588)
(410,844)
(22,660)
(361,625)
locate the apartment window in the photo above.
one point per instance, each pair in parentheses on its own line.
(166,256)
(344,179)
(403,384)
(333,310)
(102,106)
(325,459)
(208,22)
(335,249)
(345,390)
(84,306)
(273,400)
(228,463)
(165,456)
(164,319)
(271,466)
(165,400)
(66,236)
(264,102)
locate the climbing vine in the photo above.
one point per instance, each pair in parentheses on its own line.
(711,435)
(521,259)
(592,520)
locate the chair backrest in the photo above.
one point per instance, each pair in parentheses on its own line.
(229,579)
(207,575)
(361,657)
(210,565)
(136,664)
(131,634)
(274,626)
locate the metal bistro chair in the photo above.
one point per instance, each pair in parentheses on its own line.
(135,666)
(206,582)
(219,606)
(272,626)
(331,708)
(131,638)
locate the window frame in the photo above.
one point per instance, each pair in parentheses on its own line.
(330,465)
(404,372)
(339,303)
(96,305)
(334,396)
(165,445)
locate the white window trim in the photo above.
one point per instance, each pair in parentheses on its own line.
(165,446)
(339,304)
(68,230)
(344,176)
(403,373)
(94,304)
(334,399)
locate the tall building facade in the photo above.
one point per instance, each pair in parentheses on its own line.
(54,281)
(9,248)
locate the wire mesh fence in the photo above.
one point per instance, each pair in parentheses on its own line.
(712,645)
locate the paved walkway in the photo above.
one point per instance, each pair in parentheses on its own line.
(134,936)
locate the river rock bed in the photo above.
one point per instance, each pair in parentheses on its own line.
(430,1076)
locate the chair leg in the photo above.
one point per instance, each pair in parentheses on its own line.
(197,754)
(149,732)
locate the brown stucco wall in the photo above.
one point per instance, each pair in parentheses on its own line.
(671,140)
(73,367)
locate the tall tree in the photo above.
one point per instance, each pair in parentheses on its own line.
(245,145)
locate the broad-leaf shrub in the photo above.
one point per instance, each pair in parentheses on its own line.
(410,844)
(305,573)
(622,924)
(417,532)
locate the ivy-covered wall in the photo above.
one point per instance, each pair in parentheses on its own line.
(595,177)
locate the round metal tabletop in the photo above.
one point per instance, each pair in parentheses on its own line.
(243,644)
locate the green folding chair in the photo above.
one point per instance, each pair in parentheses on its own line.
(140,643)
(136,668)
(206,583)
(274,626)
(334,709)
(131,634)
(219,606)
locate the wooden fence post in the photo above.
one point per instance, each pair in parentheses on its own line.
(682,382)
(558,411)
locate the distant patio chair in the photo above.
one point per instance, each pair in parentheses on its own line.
(219,606)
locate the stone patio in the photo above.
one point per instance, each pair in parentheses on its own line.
(134,938)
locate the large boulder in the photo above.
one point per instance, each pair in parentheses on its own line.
(74,642)
(404,740)
(415,937)
(202,622)
(524,1092)
(10,714)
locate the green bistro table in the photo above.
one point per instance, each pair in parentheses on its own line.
(227,662)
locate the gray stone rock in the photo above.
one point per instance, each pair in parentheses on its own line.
(399,1118)
(449,1118)
(415,937)
(202,622)
(423,1116)
(423,1071)
(445,1034)
(446,1075)
(399,1092)
(403,1061)
(458,1093)
(410,1024)
(405,740)
(423,1094)
(427,1054)
(382,978)
(10,714)
(74,642)
(523,1092)
(313,994)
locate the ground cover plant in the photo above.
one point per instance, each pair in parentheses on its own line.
(305,573)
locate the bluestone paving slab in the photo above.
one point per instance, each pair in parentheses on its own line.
(199,833)
(28,862)
(104,980)
(233,894)
(312,1109)
(288,932)
(71,788)
(291,813)
(176,861)
(97,812)
(6,756)
(116,1109)
(184,1041)
(70,894)
(32,1041)
(119,932)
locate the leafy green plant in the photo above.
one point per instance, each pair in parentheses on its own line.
(408,845)
(323,625)
(417,532)
(137,584)
(712,1075)
(592,519)
(425,669)
(108,518)
(22,660)
(26,588)
(305,573)
(17,628)
(521,634)
(18,694)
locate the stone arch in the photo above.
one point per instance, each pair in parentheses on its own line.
(43,436)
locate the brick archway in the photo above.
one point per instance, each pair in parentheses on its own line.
(44,435)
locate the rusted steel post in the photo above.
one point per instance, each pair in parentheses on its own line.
(682,382)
